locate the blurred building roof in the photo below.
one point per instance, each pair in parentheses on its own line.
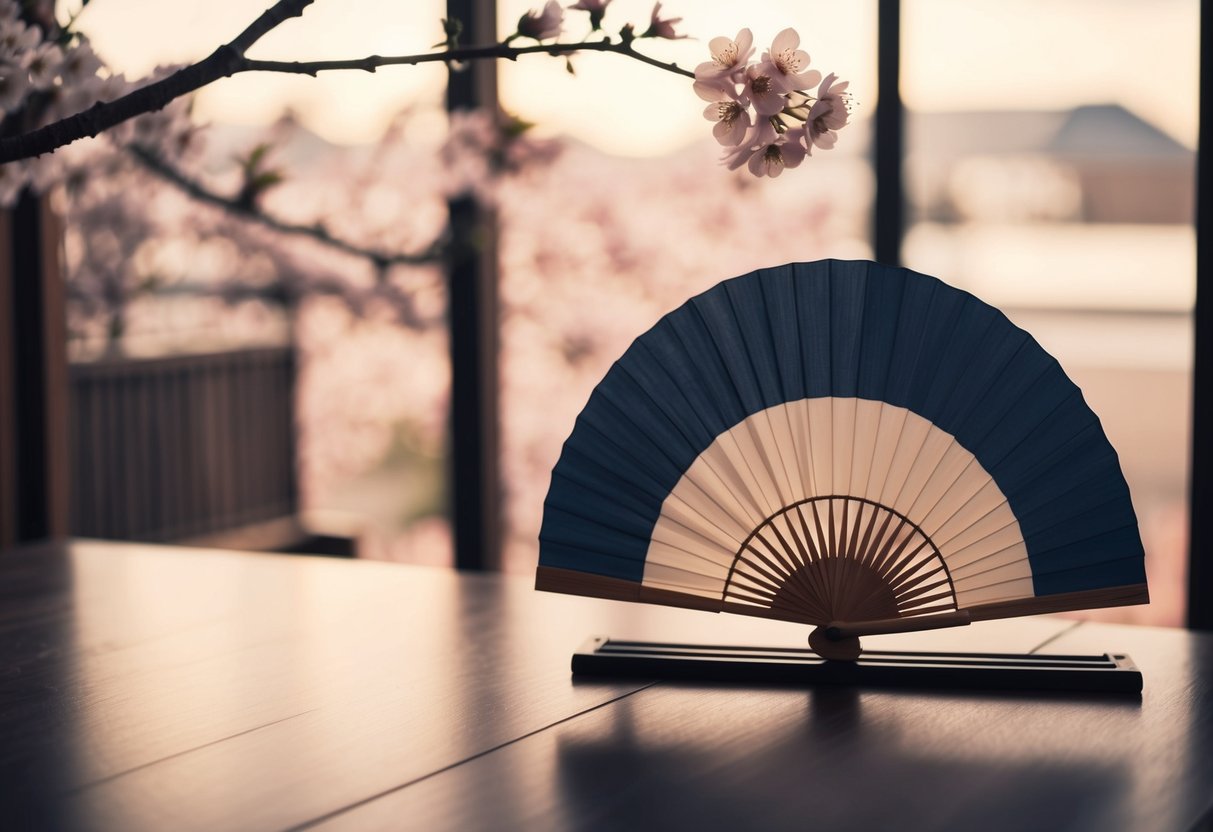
(1104,130)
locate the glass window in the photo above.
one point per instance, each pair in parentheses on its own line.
(634,216)
(1050,170)
(154,273)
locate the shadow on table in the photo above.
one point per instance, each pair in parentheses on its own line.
(714,758)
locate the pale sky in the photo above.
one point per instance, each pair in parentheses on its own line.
(957,54)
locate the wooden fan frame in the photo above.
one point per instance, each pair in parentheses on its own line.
(837,637)
(853,337)
(842,568)
(871,573)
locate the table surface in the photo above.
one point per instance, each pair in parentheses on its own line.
(158,688)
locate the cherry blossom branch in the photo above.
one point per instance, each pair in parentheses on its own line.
(499,51)
(196,190)
(229,60)
(270,19)
(223,62)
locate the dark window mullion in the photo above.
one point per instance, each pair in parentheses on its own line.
(1200,540)
(888,140)
(474,487)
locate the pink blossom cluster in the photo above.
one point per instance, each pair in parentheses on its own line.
(766,112)
(483,147)
(44,78)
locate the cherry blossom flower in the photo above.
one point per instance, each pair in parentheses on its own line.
(731,117)
(42,62)
(659,28)
(729,58)
(69,99)
(15,38)
(761,110)
(14,84)
(114,86)
(542,25)
(771,157)
(766,151)
(827,115)
(712,90)
(762,91)
(471,137)
(758,135)
(835,95)
(79,64)
(596,8)
(787,65)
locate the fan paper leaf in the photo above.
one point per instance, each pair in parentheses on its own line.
(840,441)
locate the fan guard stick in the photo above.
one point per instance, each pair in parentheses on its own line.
(839,640)
(837,630)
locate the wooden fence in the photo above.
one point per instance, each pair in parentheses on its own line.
(166,449)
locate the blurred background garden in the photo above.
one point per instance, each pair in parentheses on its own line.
(1052,176)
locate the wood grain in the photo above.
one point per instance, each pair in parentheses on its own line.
(158,688)
(162,688)
(716,757)
(1172,734)
(150,687)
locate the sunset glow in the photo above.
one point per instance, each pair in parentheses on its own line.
(1089,51)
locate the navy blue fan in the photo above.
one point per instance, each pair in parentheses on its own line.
(840,443)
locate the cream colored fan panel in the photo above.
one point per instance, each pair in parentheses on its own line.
(974,508)
(736,466)
(712,515)
(867,428)
(993,550)
(997,585)
(949,487)
(843,447)
(891,422)
(819,454)
(913,433)
(683,541)
(843,417)
(691,581)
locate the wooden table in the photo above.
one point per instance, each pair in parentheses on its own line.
(176,689)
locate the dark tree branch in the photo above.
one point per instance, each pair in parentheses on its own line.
(196,190)
(273,17)
(223,62)
(229,60)
(104,115)
(290,292)
(498,51)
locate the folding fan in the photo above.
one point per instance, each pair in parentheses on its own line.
(846,445)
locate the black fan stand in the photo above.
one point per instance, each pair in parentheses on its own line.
(1107,673)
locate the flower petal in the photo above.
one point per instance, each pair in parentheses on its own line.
(745,42)
(806,80)
(713,90)
(736,157)
(768,103)
(787,39)
(792,151)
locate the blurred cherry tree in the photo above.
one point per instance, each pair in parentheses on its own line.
(168,236)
